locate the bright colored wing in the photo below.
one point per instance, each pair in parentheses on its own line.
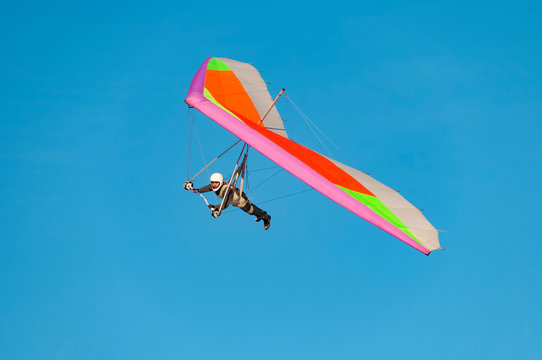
(239,89)
(226,95)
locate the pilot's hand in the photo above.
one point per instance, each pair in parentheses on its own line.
(188,185)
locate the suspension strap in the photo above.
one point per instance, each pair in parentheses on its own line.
(226,193)
(242,172)
(240,169)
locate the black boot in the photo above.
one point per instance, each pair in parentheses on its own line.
(261,215)
(267,222)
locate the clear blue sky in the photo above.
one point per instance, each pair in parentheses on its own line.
(103,256)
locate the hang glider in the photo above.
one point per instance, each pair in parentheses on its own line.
(234,95)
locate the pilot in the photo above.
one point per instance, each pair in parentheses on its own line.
(233,197)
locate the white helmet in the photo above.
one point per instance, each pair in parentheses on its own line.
(217,177)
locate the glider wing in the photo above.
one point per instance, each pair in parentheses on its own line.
(234,95)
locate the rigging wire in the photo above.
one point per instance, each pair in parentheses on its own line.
(286,196)
(265,168)
(200,147)
(309,123)
(190,115)
(273,199)
(215,159)
(266,180)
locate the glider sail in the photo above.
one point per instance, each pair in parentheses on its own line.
(234,95)
(239,89)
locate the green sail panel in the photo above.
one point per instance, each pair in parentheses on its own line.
(378,207)
(215,64)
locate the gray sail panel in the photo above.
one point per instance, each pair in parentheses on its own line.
(259,94)
(411,216)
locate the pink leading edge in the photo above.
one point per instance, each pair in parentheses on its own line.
(285,160)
